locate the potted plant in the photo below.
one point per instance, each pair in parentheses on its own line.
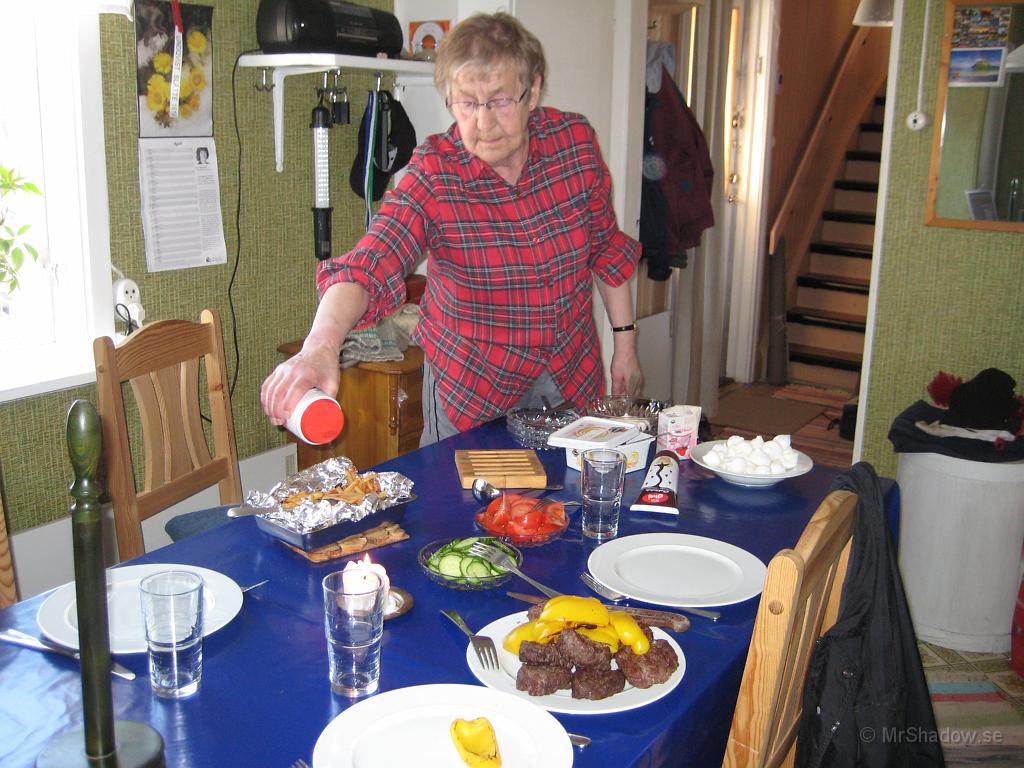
(14,248)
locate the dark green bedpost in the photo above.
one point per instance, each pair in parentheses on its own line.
(123,744)
(84,447)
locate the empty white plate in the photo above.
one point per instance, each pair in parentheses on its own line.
(58,615)
(678,569)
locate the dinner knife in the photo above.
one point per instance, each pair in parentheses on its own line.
(671,620)
(14,637)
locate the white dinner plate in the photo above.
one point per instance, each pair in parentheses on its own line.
(803,466)
(504,678)
(58,615)
(410,726)
(678,569)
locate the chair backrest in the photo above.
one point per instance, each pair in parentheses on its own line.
(800,602)
(8,585)
(162,363)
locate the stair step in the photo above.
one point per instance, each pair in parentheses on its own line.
(826,318)
(864,156)
(821,337)
(828,282)
(856,232)
(820,376)
(827,358)
(871,127)
(850,217)
(856,186)
(853,250)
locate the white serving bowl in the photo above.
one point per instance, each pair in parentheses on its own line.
(697,454)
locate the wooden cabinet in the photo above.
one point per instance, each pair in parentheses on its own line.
(383,411)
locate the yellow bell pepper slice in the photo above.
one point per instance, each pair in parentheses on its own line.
(576,610)
(629,632)
(603,634)
(537,631)
(476,742)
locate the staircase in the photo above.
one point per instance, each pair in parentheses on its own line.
(825,327)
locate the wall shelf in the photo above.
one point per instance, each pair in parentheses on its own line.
(284,64)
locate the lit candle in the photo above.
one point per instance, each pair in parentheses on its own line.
(355,574)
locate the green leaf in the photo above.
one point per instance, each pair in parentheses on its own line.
(31,249)
(30,187)
(17,258)
(24,228)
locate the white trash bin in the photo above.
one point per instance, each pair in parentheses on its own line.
(961,532)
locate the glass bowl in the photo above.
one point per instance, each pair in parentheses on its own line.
(457,546)
(526,539)
(630,407)
(531,427)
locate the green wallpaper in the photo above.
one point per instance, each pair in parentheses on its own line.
(947,299)
(273,292)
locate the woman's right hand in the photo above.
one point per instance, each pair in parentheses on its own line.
(284,387)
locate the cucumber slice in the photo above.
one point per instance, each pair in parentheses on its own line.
(450,564)
(477,569)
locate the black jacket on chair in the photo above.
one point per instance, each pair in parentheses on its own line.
(866,699)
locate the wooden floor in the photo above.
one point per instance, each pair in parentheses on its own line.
(819,438)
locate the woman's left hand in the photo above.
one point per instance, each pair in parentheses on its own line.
(627,378)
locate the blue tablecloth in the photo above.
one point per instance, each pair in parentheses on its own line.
(265,697)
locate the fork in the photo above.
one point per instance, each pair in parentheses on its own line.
(484,646)
(300,763)
(610,594)
(501,560)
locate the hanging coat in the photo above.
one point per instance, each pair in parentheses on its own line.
(675,202)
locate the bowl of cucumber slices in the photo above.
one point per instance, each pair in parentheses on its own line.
(449,563)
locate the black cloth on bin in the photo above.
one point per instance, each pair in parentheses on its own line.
(865,699)
(907,438)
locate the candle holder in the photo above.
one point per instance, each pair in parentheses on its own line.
(108,743)
(398,603)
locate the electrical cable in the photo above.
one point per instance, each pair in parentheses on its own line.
(917,119)
(125,316)
(238,221)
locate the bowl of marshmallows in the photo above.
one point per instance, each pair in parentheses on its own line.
(755,463)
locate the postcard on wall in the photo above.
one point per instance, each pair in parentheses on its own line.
(174,60)
(181,215)
(981,27)
(971,67)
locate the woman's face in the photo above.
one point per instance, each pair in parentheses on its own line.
(497,133)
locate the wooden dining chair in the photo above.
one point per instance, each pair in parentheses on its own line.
(800,602)
(8,584)
(162,363)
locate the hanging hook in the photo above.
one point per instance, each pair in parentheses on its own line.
(380,76)
(263,86)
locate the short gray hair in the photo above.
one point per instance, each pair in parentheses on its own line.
(484,42)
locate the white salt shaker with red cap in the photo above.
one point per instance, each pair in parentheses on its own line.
(317,419)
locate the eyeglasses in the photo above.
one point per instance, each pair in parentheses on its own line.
(500,106)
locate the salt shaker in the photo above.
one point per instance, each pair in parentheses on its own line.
(317,419)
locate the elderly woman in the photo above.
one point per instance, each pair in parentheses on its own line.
(512,207)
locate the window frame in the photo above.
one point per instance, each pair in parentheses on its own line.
(75,194)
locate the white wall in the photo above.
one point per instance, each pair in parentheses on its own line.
(43,556)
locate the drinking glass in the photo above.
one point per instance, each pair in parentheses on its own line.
(354,624)
(172,612)
(603,471)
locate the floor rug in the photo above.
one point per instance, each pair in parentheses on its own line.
(770,416)
(978,723)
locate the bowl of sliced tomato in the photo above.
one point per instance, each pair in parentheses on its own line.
(523,520)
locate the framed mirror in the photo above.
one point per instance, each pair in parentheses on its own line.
(977,163)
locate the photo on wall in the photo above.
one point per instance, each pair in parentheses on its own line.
(164,77)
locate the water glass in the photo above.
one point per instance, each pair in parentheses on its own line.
(603,471)
(354,624)
(172,613)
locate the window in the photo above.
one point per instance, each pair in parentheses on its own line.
(51,133)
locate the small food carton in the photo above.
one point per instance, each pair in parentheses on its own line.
(593,432)
(637,450)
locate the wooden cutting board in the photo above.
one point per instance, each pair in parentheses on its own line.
(502,468)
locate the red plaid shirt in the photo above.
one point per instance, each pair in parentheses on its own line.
(509,268)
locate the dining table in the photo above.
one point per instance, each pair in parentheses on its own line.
(265,697)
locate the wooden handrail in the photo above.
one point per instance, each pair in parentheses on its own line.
(859,78)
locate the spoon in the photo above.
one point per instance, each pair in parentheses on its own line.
(484,492)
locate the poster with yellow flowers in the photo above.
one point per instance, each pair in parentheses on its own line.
(155,47)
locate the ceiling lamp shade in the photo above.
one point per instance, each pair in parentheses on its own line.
(873,13)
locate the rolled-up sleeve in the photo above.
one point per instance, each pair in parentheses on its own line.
(613,255)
